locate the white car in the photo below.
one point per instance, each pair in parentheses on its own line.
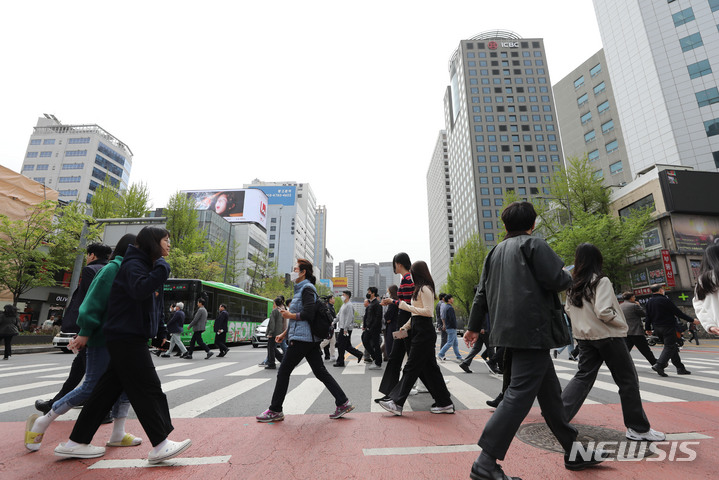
(260,335)
(61,341)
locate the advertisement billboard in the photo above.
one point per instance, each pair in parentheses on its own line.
(282,195)
(694,233)
(240,205)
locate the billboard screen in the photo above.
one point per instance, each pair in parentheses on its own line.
(283,195)
(240,205)
(691,192)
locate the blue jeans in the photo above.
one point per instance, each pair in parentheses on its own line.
(97,361)
(451,342)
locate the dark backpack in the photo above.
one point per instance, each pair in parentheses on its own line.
(321,324)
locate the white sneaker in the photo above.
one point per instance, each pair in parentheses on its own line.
(391,407)
(79,451)
(414,391)
(172,449)
(650,436)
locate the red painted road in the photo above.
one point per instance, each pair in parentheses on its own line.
(315,447)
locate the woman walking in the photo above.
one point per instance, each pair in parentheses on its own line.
(423,338)
(599,326)
(706,293)
(303,345)
(9,327)
(133,319)
(90,341)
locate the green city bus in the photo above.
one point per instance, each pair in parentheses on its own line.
(246,310)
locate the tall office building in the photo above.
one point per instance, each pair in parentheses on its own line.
(321,241)
(291,213)
(663,59)
(351,270)
(501,129)
(439,208)
(588,120)
(76,159)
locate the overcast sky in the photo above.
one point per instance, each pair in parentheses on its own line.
(345,96)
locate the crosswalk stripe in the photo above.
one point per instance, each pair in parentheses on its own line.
(169,366)
(200,405)
(301,398)
(197,371)
(27,386)
(32,372)
(353,368)
(24,402)
(467,394)
(679,386)
(611,387)
(175,462)
(375,393)
(246,372)
(704,362)
(302,369)
(56,375)
(451,366)
(25,367)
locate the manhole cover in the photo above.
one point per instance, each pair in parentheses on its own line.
(539,435)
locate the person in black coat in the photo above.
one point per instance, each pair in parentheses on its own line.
(133,319)
(174,329)
(221,330)
(9,327)
(373,328)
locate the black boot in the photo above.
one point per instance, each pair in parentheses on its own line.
(495,403)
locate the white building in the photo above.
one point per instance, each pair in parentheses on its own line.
(76,159)
(439,208)
(663,59)
(291,213)
(351,270)
(320,246)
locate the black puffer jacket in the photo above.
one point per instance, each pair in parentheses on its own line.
(518,288)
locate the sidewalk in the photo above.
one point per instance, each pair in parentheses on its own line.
(19,349)
(416,446)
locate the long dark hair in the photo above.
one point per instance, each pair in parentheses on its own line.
(708,272)
(421,276)
(306,266)
(588,262)
(121,247)
(148,241)
(392,289)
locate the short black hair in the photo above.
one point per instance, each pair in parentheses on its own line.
(627,295)
(442,295)
(656,288)
(448,297)
(223,306)
(372,290)
(100,250)
(201,301)
(348,293)
(403,259)
(519,216)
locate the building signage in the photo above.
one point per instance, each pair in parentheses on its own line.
(494,45)
(282,195)
(57,298)
(236,206)
(642,291)
(668,269)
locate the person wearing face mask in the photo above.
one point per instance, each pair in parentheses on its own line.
(303,345)
(345,322)
(373,329)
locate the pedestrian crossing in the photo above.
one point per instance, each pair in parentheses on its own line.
(231,387)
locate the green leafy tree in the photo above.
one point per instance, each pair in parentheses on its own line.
(261,269)
(106,201)
(135,201)
(275,286)
(25,260)
(67,229)
(465,270)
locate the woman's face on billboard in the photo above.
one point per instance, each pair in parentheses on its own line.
(221,204)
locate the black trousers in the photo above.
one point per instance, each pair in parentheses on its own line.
(640,341)
(272,351)
(197,338)
(293,356)
(220,339)
(371,339)
(613,352)
(422,364)
(131,370)
(389,329)
(443,336)
(395,357)
(8,345)
(532,376)
(671,348)
(344,343)
(482,341)
(77,372)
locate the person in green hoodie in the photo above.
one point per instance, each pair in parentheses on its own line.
(90,341)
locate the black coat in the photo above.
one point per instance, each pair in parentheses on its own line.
(221,321)
(374,316)
(518,288)
(69,320)
(176,322)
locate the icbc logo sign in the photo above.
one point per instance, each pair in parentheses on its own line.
(492,45)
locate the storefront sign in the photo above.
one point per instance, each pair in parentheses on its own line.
(57,298)
(668,269)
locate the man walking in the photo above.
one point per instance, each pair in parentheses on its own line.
(198,327)
(174,329)
(450,326)
(373,329)
(527,266)
(482,341)
(345,323)
(221,330)
(660,315)
(633,313)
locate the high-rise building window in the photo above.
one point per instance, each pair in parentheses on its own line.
(704,98)
(75,153)
(682,17)
(48,141)
(615,167)
(73,141)
(73,166)
(599,88)
(590,136)
(716,158)
(595,70)
(28,167)
(35,141)
(31,155)
(608,126)
(599,174)
(691,42)
(69,179)
(39,179)
(45,154)
(714,4)
(612,146)
(488,237)
(593,155)
(42,166)
(711,127)
(699,69)
(603,107)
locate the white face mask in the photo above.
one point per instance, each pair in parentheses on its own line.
(294,276)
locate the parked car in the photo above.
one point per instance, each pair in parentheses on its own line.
(260,335)
(61,341)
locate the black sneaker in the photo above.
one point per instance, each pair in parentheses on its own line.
(659,370)
(595,457)
(683,371)
(464,367)
(478,473)
(495,403)
(43,405)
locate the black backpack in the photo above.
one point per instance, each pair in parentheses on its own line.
(321,324)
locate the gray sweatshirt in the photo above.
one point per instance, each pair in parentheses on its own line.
(198,323)
(346,317)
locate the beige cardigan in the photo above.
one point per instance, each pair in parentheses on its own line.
(601,318)
(422,306)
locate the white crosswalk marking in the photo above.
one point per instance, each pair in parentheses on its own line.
(197,371)
(26,367)
(374,406)
(56,375)
(32,372)
(27,386)
(467,394)
(170,366)
(24,402)
(451,366)
(712,392)
(611,387)
(246,372)
(354,368)
(200,405)
(301,398)
(302,369)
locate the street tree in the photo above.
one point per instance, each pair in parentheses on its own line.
(136,201)
(465,270)
(106,201)
(67,229)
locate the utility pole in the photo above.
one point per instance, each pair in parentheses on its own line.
(79,259)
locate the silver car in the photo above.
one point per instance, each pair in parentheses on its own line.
(61,341)
(260,335)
